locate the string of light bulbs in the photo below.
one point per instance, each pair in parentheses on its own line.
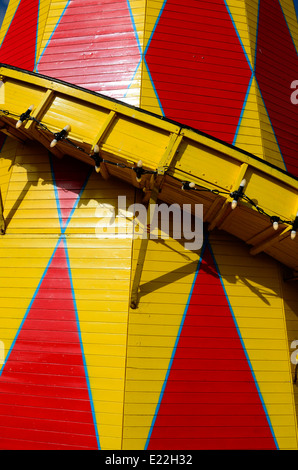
(140,171)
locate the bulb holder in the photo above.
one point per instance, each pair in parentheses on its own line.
(24,116)
(236,195)
(60,135)
(97,158)
(98,161)
(139,171)
(187,186)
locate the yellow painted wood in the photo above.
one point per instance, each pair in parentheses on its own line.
(249,135)
(7,158)
(11,9)
(133,93)
(43,13)
(290,305)
(153,11)
(238,10)
(271,151)
(128,351)
(149,99)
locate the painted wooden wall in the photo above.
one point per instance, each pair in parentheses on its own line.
(214,65)
(218,67)
(204,362)
(208,356)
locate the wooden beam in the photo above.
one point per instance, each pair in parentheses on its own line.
(269,239)
(41,109)
(211,209)
(277,237)
(170,153)
(142,254)
(222,211)
(104,171)
(104,128)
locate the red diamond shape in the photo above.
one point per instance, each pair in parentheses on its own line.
(198,67)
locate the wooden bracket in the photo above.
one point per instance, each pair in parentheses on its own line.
(222,211)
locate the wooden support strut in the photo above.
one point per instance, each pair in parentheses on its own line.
(142,252)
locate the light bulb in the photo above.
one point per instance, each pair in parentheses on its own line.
(139,171)
(24,116)
(274,220)
(234,204)
(186,186)
(294,228)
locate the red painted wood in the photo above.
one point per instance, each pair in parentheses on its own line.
(276,68)
(219,386)
(110,58)
(198,67)
(19,45)
(224,443)
(211,421)
(44,398)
